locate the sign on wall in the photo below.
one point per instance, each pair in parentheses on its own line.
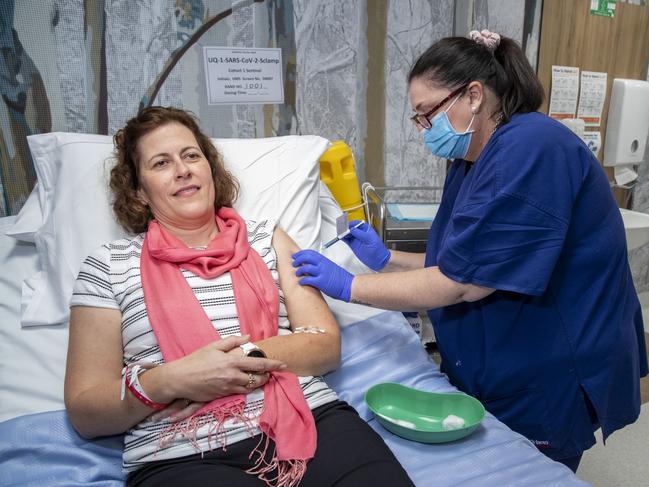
(565,88)
(604,8)
(243,75)
(592,94)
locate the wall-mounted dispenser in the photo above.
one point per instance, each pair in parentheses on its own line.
(628,122)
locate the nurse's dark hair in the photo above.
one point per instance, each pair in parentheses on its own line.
(130,211)
(454,61)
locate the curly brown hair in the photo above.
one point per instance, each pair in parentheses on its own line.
(130,211)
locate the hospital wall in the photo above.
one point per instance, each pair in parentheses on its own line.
(86,66)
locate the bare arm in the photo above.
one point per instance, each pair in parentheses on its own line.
(94,365)
(404,261)
(303,353)
(93,375)
(420,289)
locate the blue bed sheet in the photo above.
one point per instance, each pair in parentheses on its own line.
(44,450)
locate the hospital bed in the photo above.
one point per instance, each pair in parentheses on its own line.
(67,215)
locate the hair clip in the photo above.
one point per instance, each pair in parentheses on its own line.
(489,39)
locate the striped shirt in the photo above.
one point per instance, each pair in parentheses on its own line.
(110,278)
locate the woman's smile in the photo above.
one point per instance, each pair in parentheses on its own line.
(187,191)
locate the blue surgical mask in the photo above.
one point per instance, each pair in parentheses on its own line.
(442,139)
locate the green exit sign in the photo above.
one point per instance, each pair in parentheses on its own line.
(605,8)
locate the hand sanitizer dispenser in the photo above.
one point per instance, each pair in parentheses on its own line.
(628,123)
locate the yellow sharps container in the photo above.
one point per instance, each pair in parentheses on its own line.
(338,172)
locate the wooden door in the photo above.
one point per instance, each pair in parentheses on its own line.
(619,46)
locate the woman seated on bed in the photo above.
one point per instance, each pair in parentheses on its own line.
(181,318)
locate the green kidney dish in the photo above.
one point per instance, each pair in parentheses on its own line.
(427,417)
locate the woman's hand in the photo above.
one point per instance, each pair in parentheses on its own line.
(212,372)
(367,245)
(177,411)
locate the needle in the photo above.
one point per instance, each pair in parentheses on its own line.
(340,237)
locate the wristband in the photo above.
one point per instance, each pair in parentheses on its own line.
(308,329)
(131,381)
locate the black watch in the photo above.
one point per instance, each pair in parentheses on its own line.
(252,350)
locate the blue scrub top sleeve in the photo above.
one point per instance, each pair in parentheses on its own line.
(507,243)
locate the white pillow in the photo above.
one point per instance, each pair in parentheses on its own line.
(278,176)
(32,360)
(279,179)
(29,219)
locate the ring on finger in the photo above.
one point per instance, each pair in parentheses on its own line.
(251,381)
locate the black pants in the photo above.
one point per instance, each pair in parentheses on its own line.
(349,454)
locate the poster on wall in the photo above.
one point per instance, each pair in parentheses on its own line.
(593,141)
(563,93)
(241,75)
(592,94)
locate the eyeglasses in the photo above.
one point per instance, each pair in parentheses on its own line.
(423,119)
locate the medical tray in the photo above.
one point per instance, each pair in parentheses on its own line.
(400,233)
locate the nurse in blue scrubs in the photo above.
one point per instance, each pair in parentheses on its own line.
(525,276)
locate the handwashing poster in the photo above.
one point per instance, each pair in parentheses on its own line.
(591,98)
(564,91)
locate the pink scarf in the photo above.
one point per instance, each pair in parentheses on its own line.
(172,306)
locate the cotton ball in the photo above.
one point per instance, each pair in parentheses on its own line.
(452,422)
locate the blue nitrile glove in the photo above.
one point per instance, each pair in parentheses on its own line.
(323,274)
(367,245)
